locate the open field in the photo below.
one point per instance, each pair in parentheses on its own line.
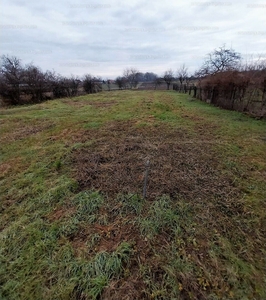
(74,224)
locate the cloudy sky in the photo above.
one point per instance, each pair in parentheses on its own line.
(104,37)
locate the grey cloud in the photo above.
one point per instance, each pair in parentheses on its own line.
(105,37)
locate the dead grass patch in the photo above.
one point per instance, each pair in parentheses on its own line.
(4,169)
(115,163)
(60,213)
(24,132)
(78,103)
(103,104)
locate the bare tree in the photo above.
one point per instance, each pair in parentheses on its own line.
(168,77)
(60,86)
(132,76)
(157,81)
(19,84)
(36,83)
(73,85)
(12,74)
(121,82)
(182,74)
(220,60)
(91,84)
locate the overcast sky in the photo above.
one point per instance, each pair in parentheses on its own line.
(104,37)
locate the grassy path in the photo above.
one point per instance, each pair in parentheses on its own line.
(74,224)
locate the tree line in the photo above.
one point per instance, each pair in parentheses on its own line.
(223,80)
(132,77)
(21,84)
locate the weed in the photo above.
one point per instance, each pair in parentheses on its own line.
(162,217)
(88,204)
(103,268)
(58,165)
(130,204)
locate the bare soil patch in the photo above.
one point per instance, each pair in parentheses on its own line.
(60,213)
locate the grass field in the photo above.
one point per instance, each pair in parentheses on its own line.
(74,224)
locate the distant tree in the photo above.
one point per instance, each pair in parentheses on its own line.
(182,74)
(91,84)
(108,84)
(220,60)
(190,79)
(60,86)
(157,81)
(121,82)
(49,79)
(11,80)
(132,76)
(73,85)
(168,77)
(141,77)
(36,83)
(88,84)
(150,77)
(146,77)
(29,83)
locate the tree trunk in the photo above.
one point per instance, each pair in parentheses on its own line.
(194,92)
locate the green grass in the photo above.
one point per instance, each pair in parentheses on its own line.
(59,240)
(161,218)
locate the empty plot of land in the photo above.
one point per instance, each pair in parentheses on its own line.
(179,165)
(74,224)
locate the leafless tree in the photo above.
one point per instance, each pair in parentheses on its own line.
(73,85)
(220,60)
(20,84)
(131,75)
(146,77)
(60,86)
(121,82)
(182,74)
(12,74)
(168,77)
(157,81)
(35,83)
(91,84)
